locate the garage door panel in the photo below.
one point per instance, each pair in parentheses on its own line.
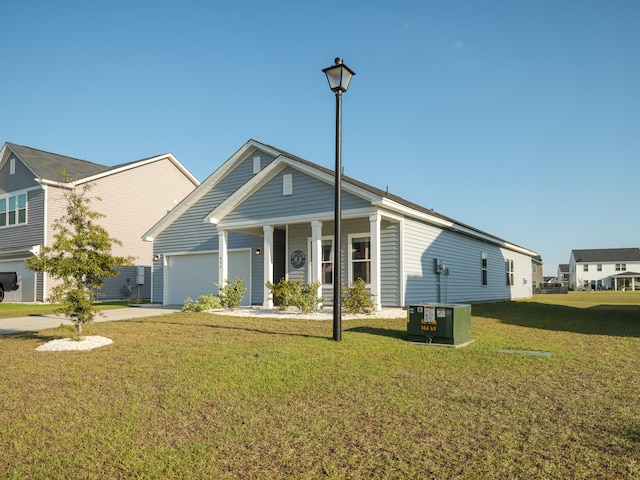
(196,274)
(191,276)
(26,281)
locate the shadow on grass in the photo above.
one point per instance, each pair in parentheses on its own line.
(29,335)
(383,332)
(612,320)
(225,327)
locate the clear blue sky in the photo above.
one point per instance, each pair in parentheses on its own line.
(521,118)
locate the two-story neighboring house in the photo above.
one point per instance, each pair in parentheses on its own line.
(537,278)
(605,268)
(265,214)
(134,196)
(563,274)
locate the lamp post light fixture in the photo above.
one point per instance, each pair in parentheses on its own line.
(339,76)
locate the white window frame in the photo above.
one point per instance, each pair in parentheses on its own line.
(484,269)
(7,210)
(351,237)
(323,239)
(509,268)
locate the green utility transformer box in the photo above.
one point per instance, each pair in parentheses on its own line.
(439,323)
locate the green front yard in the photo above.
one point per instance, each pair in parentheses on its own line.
(207,396)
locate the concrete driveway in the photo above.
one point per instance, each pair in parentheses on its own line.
(40,322)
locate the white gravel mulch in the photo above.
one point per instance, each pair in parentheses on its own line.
(85,343)
(324,314)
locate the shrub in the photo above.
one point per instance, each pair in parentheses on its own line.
(203,303)
(289,293)
(356,299)
(231,293)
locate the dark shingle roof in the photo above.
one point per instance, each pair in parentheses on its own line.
(386,194)
(607,255)
(49,166)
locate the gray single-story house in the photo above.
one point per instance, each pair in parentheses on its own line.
(265,214)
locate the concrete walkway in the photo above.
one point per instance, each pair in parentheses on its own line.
(40,322)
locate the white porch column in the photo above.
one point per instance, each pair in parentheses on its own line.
(267,301)
(316,253)
(374,227)
(223,257)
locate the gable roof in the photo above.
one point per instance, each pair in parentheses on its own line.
(48,167)
(600,255)
(377,196)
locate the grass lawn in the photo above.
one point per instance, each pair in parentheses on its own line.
(196,396)
(13,310)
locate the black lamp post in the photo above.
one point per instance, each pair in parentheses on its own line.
(339,77)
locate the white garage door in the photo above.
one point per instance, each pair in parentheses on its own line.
(196,274)
(26,280)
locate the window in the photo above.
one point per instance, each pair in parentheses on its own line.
(510,274)
(484,268)
(361,258)
(327,262)
(13,210)
(599,267)
(621,267)
(585,267)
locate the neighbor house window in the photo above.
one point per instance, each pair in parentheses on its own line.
(510,273)
(621,267)
(13,210)
(484,267)
(585,268)
(599,267)
(361,258)
(327,262)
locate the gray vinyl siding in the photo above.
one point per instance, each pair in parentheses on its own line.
(390,275)
(23,177)
(29,234)
(113,287)
(310,196)
(188,233)
(462,255)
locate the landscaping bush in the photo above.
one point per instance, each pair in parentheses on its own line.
(356,299)
(231,293)
(202,304)
(289,293)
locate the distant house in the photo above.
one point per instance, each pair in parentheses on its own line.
(265,214)
(134,196)
(537,278)
(605,268)
(563,274)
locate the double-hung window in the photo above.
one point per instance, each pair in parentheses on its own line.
(13,210)
(621,267)
(327,262)
(485,270)
(360,258)
(510,273)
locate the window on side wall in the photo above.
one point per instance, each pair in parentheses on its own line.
(585,267)
(510,273)
(621,267)
(13,210)
(485,269)
(360,258)
(599,267)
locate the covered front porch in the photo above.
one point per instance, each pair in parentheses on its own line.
(305,251)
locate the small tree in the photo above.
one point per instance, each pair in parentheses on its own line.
(80,257)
